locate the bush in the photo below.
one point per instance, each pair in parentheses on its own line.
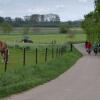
(64,29)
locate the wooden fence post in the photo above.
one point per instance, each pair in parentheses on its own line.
(5,66)
(52,52)
(6,60)
(57,50)
(36,56)
(46,54)
(71,47)
(24,57)
(61,51)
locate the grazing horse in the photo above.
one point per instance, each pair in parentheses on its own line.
(27,41)
(4,51)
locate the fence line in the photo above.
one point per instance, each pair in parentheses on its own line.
(54,52)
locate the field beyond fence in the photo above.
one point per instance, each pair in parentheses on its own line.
(41,51)
(26,56)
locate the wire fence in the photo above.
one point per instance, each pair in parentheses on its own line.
(25,56)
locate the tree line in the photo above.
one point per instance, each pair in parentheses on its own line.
(8,24)
(91,24)
(37,20)
(33,20)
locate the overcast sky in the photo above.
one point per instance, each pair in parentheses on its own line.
(66,9)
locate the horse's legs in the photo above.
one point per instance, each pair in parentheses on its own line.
(2,55)
(5,56)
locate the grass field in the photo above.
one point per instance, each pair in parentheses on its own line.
(19,77)
(60,38)
(16,58)
(43,30)
(16,55)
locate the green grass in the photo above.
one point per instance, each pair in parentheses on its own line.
(19,78)
(16,58)
(16,55)
(60,38)
(43,30)
(23,78)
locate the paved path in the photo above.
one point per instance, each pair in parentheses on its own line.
(81,82)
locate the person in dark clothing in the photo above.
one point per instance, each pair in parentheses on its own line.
(99,47)
(95,48)
(86,46)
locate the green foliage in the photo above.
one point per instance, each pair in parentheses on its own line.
(97,4)
(26,30)
(64,28)
(1,20)
(91,24)
(6,27)
(21,79)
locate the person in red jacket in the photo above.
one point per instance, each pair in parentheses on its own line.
(88,46)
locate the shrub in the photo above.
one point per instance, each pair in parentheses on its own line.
(64,29)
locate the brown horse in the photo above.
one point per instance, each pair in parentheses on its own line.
(4,51)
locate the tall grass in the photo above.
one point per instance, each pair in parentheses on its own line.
(14,81)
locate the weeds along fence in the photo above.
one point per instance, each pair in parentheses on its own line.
(26,56)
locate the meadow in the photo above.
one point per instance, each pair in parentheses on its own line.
(59,38)
(41,42)
(18,78)
(26,77)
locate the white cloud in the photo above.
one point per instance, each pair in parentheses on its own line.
(65,8)
(83,1)
(41,10)
(60,6)
(1,11)
(5,1)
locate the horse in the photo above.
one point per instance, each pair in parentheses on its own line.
(26,41)
(4,51)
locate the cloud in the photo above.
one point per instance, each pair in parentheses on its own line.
(60,6)
(67,9)
(45,9)
(41,10)
(83,1)
(1,12)
(5,1)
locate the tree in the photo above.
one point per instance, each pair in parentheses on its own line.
(8,19)
(6,27)
(18,22)
(1,20)
(91,24)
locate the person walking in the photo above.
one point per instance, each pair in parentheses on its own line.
(99,47)
(88,47)
(95,48)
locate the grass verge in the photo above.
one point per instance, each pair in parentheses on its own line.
(14,81)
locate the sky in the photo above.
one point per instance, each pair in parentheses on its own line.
(66,9)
